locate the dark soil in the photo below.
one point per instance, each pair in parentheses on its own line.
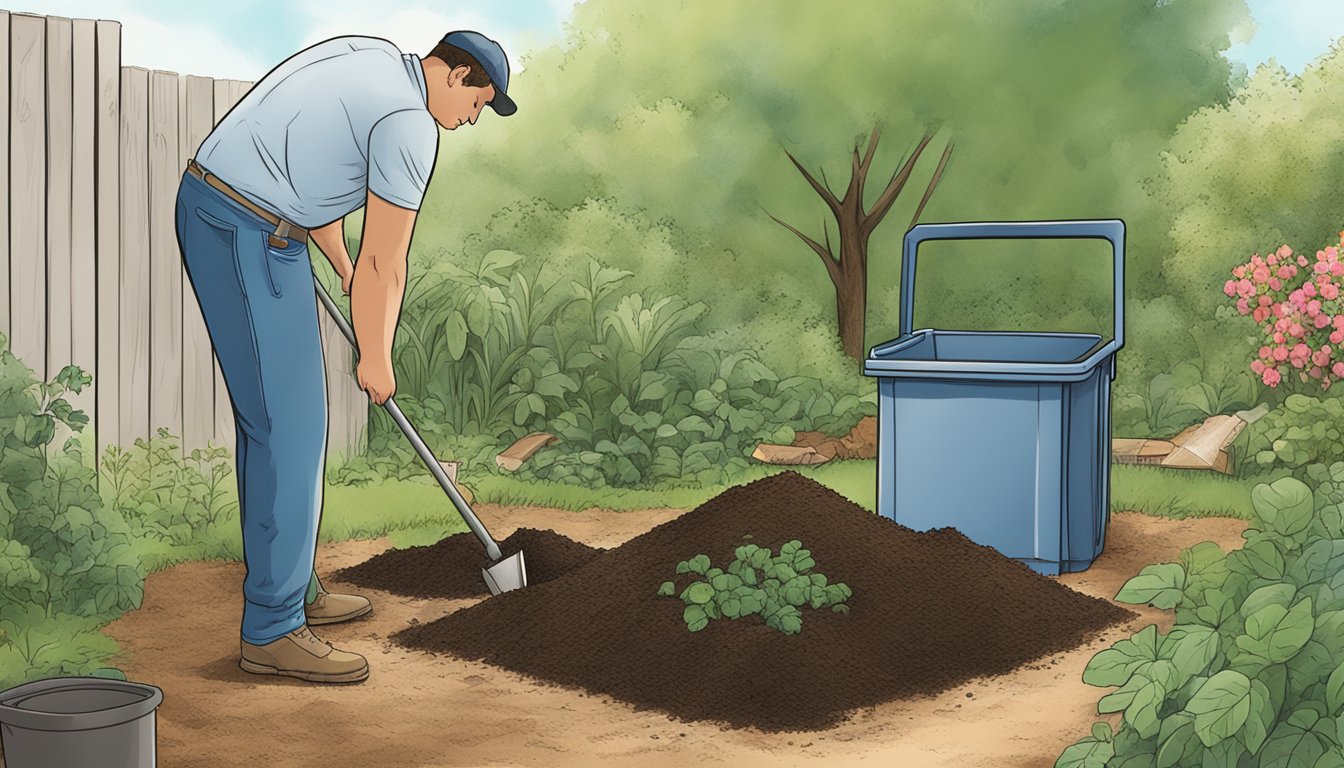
(929,611)
(452,567)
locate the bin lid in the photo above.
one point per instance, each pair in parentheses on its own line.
(991,355)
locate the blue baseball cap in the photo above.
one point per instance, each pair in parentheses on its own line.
(493,60)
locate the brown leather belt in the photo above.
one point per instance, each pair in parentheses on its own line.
(284,230)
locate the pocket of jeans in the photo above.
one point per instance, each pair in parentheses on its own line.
(280,260)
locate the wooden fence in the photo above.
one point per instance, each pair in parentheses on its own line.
(90,270)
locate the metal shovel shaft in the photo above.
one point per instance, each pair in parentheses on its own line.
(436,469)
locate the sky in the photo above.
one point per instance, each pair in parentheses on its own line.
(243,39)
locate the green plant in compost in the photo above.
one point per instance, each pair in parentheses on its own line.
(756,584)
(1252,673)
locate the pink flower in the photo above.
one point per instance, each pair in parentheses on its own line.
(1339,322)
(1297,297)
(1337,337)
(1295,330)
(1338,370)
(1322,321)
(1261,314)
(1275,284)
(1313,307)
(1239,272)
(1284,251)
(1330,291)
(1271,377)
(1301,261)
(1337,269)
(1321,268)
(1279,338)
(1331,253)
(1320,358)
(1265,301)
(1243,307)
(1261,274)
(1285,273)
(1257,367)
(1315,372)
(1264,352)
(1280,354)
(1309,289)
(1230,287)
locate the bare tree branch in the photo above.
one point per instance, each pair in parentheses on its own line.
(824,251)
(933,183)
(821,189)
(872,147)
(894,187)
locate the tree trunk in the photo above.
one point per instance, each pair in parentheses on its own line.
(848,270)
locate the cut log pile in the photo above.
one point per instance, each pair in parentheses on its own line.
(1201,446)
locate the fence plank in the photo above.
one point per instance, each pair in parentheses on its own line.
(165,265)
(27,190)
(135,299)
(60,130)
(4,177)
(198,375)
(224,421)
(107,177)
(83,265)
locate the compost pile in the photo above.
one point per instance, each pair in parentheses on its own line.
(928,611)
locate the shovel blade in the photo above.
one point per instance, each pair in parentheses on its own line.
(506,575)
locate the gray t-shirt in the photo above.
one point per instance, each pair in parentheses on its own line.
(345,117)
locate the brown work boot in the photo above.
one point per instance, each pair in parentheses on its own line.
(301,654)
(331,608)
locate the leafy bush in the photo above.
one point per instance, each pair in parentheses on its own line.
(1251,673)
(1304,430)
(165,495)
(1176,399)
(66,561)
(756,584)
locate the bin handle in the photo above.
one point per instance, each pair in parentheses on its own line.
(1111,230)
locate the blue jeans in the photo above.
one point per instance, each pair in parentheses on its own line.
(260,309)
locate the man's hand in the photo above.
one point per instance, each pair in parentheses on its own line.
(377,379)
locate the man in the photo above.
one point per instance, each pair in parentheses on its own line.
(349,122)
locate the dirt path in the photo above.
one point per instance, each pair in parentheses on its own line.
(421,711)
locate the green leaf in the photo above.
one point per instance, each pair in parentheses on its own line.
(1285,506)
(455,335)
(1261,718)
(1273,594)
(1177,739)
(1088,753)
(1294,742)
(1102,732)
(109,673)
(667,589)
(695,617)
(1334,690)
(1283,632)
(1190,648)
(698,593)
(1160,585)
(1220,706)
(1260,558)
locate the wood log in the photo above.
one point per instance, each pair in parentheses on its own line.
(787,454)
(1139,450)
(513,457)
(1201,449)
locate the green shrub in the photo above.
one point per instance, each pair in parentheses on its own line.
(756,584)
(1304,430)
(66,561)
(1252,672)
(165,495)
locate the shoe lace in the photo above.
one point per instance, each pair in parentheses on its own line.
(305,634)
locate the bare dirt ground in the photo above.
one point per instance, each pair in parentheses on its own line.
(417,710)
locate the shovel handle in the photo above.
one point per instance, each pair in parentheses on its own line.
(432,463)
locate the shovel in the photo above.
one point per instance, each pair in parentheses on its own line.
(506,574)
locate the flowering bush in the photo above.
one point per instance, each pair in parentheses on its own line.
(1302,319)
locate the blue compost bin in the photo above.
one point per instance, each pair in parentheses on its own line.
(1005,436)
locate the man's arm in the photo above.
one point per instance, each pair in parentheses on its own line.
(330,239)
(380,276)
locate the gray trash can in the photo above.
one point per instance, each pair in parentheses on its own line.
(79,722)
(1005,436)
